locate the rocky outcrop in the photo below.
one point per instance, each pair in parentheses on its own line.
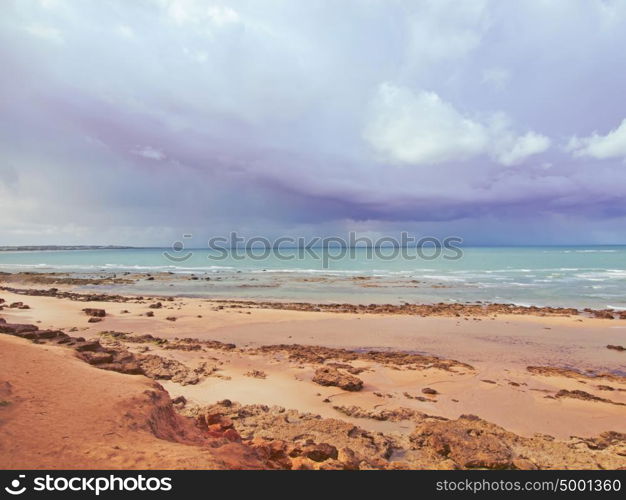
(390,415)
(320,355)
(295,440)
(585,396)
(552,371)
(618,348)
(328,376)
(440,309)
(115,357)
(467,442)
(304,441)
(160,368)
(79,297)
(95,313)
(19,305)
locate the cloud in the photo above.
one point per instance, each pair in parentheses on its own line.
(197,11)
(43,32)
(221,15)
(422,129)
(276,116)
(125,31)
(522,147)
(149,152)
(497,78)
(441,30)
(601,147)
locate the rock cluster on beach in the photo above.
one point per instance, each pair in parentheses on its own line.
(306,441)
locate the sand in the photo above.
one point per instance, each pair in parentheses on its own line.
(497,388)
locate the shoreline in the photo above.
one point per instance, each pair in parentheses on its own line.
(479,308)
(356,288)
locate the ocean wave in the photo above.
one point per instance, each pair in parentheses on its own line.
(328,272)
(595,251)
(116,267)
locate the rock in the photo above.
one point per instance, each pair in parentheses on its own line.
(585,396)
(179,401)
(524,464)
(603,314)
(256,374)
(92,345)
(17,305)
(348,458)
(327,376)
(467,441)
(616,348)
(160,368)
(232,435)
(447,465)
(300,463)
(44,335)
(171,318)
(156,305)
(17,329)
(428,390)
(97,358)
(94,319)
(95,313)
(320,452)
(150,314)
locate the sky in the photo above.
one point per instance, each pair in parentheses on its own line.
(501,122)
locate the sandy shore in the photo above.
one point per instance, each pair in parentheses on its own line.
(575,389)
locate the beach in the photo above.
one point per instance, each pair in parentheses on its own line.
(535,387)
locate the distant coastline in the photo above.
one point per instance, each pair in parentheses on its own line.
(39,248)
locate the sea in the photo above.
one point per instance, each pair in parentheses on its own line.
(563,276)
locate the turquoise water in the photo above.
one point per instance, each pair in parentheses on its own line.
(559,276)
